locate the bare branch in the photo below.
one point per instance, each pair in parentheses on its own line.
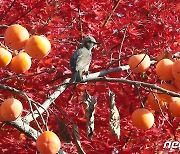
(50,100)
(23,15)
(138,83)
(93,78)
(48,70)
(120,50)
(3,26)
(24,95)
(159,106)
(25,128)
(110,14)
(7,11)
(80,21)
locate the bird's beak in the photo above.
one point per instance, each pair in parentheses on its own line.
(97,43)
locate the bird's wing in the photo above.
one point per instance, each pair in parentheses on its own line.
(80,59)
(83,60)
(73,61)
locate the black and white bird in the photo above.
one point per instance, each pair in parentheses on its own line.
(81,58)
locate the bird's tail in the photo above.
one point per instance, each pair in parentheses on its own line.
(76,77)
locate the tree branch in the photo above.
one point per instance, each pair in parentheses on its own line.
(65,85)
(94,77)
(23,15)
(110,14)
(8,10)
(25,128)
(49,101)
(137,83)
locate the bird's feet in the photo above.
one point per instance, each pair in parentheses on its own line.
(86,73)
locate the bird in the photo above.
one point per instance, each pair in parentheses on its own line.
(81,58)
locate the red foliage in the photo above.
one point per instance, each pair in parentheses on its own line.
(152,24)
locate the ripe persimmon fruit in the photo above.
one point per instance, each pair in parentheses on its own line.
(1,118)
(142,118)
(164,69)
(38,46)
(176,84)
(154,104)
(165,97)
(176,70)
(11,109)
(20,63)
(139,63)
(5,57)
(48,143)
(174,107)
(16,36)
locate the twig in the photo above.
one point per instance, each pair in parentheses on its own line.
(76,137)
(170,119)
(48,70)
(63,41)
(33,116)
(2,27)
(8,10)
(64,114)
(122,42)
(128,138)
(50,100)
(2,125)
(45,122)
(110,14)
(139,95)
(138,83)
(67,25)
(169,122)
(4,87)
(159,106)
(35,6)
(117,60)
(5,47)
(80,22)
(50,17)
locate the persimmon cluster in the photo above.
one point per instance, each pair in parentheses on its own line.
(17,38)
(169,72)
(47,142)
(23,47)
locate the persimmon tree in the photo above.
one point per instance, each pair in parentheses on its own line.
(129,101)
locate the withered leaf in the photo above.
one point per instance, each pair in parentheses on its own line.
(63,130)
(89,105)
(77,140)
(114,120)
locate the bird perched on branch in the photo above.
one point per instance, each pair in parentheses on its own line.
(81,58)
